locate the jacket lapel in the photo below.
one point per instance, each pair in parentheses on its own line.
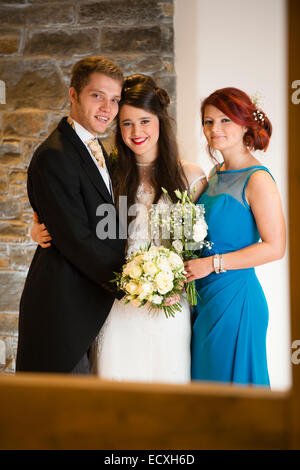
(88,164)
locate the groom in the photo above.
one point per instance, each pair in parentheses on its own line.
(67,295)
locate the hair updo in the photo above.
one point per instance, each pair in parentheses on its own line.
(141,91)
(237,105)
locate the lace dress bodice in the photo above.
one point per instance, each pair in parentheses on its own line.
(140,230)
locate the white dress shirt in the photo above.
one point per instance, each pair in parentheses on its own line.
(85,136)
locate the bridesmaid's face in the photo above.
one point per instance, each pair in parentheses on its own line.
(140,132)
(220,131)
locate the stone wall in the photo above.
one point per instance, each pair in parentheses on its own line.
(39,43)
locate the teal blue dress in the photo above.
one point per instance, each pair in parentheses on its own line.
(231,318)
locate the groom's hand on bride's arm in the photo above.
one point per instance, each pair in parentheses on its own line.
(39,232)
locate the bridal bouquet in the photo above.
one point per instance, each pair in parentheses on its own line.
(184,225)
(151,275)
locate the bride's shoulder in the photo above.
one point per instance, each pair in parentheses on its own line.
(191,170)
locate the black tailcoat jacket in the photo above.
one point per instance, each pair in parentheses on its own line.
(67,294)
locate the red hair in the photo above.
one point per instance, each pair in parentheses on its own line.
(237,105)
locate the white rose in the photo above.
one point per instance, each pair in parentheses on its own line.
(138,259)
(135,271)
(132,288)
(199,231)
(178,245)
(175,260)
(156,299)
(164,265)
(149,268)
(153,252)
(163,282)
(145,289)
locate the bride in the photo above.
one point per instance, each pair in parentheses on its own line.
(135,344)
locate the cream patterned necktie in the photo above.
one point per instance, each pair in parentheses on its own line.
(94,147)
(96,150)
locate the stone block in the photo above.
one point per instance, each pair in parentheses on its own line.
(45,15)
(167,42)
(24,124)
(28,149)
(14,160)
(13,231)
(10,146)
(167,8)
(50,15)
(139,39)
(10,15)
(9,208)
(9,41)
(144,64)
(18,177)
(11,343)
(55,118)
(20,256)
(4,255)
(32,84)
(3,181)
(8,324)
(168,82)
(11,287)
(63,43)
(120,12)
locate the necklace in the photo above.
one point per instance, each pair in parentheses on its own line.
(144,164)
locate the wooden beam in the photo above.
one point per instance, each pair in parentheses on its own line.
(63,412)
(294,201)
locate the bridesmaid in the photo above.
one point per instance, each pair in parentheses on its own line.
(242,206)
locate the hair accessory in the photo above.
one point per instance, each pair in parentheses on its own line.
(257,99)
(259,116)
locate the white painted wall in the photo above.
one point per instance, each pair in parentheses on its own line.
(241,44)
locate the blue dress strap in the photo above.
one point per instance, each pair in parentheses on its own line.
(253,169)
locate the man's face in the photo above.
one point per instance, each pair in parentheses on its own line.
(97,104)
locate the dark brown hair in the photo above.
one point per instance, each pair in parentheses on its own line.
(238,106)
(142,92)
(82,70)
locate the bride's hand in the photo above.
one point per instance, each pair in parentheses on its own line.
(198,268)
(39,233)
(174,299)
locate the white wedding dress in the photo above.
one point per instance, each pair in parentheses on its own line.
(136,345)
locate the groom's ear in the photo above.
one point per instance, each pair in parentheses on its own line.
(73,95)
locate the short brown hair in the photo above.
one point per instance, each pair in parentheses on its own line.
(82,70)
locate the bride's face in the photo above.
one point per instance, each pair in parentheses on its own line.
(140,132)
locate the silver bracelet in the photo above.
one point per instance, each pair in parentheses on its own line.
(216,261)
(222,270)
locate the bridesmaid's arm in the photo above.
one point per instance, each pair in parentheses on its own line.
(263,197)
